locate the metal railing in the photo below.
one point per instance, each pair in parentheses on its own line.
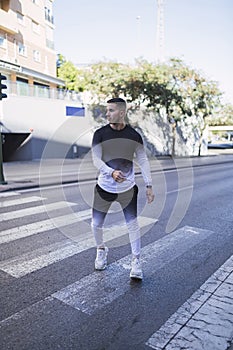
(23,89)
(48,16)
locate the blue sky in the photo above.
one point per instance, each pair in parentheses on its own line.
(198,31)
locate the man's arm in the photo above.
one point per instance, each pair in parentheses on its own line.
(144,165)
(98,162)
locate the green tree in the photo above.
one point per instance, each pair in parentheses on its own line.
(199,97)
(68,72)
(172,89)
(223,117)
(60,60)
(100,78)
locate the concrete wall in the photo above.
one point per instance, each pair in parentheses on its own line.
(158,134)
(53,132)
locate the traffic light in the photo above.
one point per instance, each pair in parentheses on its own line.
(2,86)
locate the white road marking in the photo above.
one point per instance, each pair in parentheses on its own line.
(8,203)
(29,310)
(43,225)
(39,258)
(107,281)
(204,321)
(101,288)
(9,194)
(180,189)
(34,210)
(24,264)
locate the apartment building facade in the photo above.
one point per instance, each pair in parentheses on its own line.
(27,52)
(39,118)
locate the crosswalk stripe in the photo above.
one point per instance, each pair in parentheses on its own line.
(26,263)
(34,210)
(9,194)
(43,225)
(8,203)
(29,310)
(101,288)
(22,265)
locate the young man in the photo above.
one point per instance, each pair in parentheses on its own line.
(114,147)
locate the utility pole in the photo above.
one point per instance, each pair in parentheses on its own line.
(160,32)
(2,95)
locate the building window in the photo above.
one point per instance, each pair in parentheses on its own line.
(36,55)
(20,18)
(2,41)
(22,87)
(35,27)
(49,33)
(41,90)
(22,50)
(49,38)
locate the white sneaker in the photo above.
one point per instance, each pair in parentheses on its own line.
(136,269)
(101,258)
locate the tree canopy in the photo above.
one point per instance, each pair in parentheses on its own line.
(172,89)
(223,117)
(175,87)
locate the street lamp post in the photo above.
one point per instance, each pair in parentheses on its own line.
(2,95)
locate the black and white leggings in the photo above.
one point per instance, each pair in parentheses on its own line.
(128,201)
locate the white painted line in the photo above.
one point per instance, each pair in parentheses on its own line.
(180,189)
(34,210)
(95,291)
(24,313)
(9,194)
(42,226)
(39,258)
(185,169)
(24,264)
(204,321)
(8,203)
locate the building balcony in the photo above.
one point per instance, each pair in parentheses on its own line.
(49,18)
(8,22)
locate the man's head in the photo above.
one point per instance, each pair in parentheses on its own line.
(120,102)
(116,110)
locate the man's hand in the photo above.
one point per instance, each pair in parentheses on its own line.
(118,176)
(150,195)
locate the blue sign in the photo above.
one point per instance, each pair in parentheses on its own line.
(75,111)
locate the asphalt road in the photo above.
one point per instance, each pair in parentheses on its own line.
(51,297)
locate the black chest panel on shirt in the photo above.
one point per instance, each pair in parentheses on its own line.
(118,146)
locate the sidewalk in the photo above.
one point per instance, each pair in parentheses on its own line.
(204,321)
(30,174)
